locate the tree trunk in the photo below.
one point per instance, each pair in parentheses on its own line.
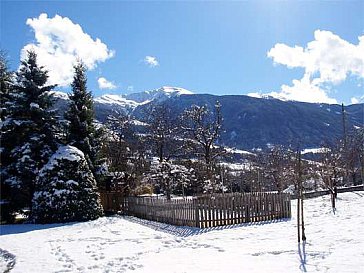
(298,217)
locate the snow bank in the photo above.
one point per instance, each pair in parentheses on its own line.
(335,243)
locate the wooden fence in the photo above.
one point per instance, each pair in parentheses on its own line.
(179,212)
(210,210)
(111,201)
(236,208)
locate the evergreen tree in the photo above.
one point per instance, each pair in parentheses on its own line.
(28,132)
(66,189)
(82,132)
(6,81)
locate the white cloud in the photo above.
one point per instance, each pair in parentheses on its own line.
(59,42)
(306,90)
(130,88)
(356,100)
(151,61)
(105,84)
(289,56)
(328,60)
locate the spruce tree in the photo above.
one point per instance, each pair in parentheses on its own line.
(66,189)
(28,132)
(82,132)
(6,81)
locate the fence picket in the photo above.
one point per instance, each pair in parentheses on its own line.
(240,210)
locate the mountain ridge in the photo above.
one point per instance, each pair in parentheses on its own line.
(249,122)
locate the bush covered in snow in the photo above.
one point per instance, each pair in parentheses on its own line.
(66,189)
(169,178)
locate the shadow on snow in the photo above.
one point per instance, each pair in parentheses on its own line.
(23,228)
(185,231)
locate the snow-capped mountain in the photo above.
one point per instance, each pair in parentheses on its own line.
(59,95)
(248,122)
(160,94)
(106,104)
(116,100)
(134,99)
(109,103)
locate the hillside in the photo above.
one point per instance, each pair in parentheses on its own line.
(248,122)
(255,122)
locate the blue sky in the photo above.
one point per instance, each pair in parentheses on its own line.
(206,47)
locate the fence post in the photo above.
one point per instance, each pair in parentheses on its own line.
(247,209)
(197,215)
(289,207)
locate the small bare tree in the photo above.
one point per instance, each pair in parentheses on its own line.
(125,152)
(162,131)
(300,210)
(331,169)
(354,156)
(359,139)
(202,128)
(277,166)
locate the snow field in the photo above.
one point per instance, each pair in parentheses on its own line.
(335,243)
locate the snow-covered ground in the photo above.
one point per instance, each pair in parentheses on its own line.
(335,243)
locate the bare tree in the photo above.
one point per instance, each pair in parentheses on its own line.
(329,166)
(202,128)
(354,156)
(331,169)
(162,131)
(124,150)
(277,166)
(359,136)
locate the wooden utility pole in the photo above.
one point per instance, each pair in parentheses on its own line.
(298,198)
(300,219)
(222,181)
(300,179)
